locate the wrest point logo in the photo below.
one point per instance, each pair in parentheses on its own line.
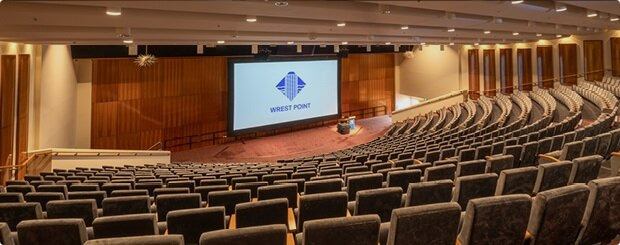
(291,85)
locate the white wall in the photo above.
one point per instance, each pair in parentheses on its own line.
(83,69)
(57,121)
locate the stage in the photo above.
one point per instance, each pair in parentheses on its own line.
(288,145)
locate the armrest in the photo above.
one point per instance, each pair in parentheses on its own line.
(230,188)
(255,199)
(166,233)
(290,239)
(348,213)
(528,237)
(233,222)
(292,223)
(417,161)
(550,158)
(615,154)
(488,157)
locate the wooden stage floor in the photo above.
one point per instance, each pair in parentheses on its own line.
(307,142)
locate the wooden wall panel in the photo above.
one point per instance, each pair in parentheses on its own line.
(593,60)
(23,95)
(505,70)
(568,63)
(488,65)
(544,64)
(524,68)
(615,56)
(133,108)
(474,73)
(7,105)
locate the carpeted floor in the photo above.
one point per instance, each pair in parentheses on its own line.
(296,144)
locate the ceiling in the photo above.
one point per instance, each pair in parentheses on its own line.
(301,22)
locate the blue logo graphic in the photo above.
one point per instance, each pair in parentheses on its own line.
(291,85)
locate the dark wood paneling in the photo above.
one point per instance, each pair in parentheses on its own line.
(505,70)
(488,64)
(544,65)
(133,108)
(615,56)
(593,60)
(524,68)
(7,106)
(23,92)
(568,63)
(473,65)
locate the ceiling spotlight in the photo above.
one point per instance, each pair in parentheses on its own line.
(251,19)
(221,42)
(290,42)
(517,2)
(341,24)
(404,27)
(498,20)
(591,13)
(281,3)
(476,44)
(128,41)
(560,7)
(451,44)
(487,32)
(515,33)
(113,11)
(422,43)
(388,43)
(345,43)
(558,35)
(613,17)
(538,34)
(450,30)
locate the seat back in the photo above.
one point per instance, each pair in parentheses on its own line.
(440,172)
(552,175)
(252,186)
(52,231)
(585,169)
(170,202)
(125,225)
(470,167)
(528,156)
(320,206)
(85,209)
(258,235)
(426,224)
(429,192)
(144,240)
(43,198)
(13,213)
(590,144)
(126,205)
(53,188)
(322,186)
(601,220)
(473,186)
(499,163)
(288,191)
(378,201)
(98,196)
(228,199)
(267,212)
(363,182)
(122,193)
(467,155)
(516,181)
(11,197)
(355,230)
(515,151)
(402,178)
(191,223)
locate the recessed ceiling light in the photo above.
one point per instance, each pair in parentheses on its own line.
(113,11)
(404,27)
(487,32)
(422,43)
(558,35)
(613,18)
(345,43)
(517,2)
(515,33)
(451,44)
(290,42)
(128,41)
(251,19)
(538,34)
(341,24)
(221,42)
(450,30)
(476,44)
(591,13)
(388,43)
(281,3)
(560,7)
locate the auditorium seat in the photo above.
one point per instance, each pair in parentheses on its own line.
(552,175)
(210,182)
(495,220)
(126,205)
(228,199)
(515,151)
(363,182)
(498,163)
(236,180)
(170,202)
(53,188)
(321,206)
(125,225)
(150,187)
(98,196)
(585,169)
(257,235)
(429,192)
(43,198)
(85,209)
(601,219)
(516,181)
(299,182)
(419,166)
(23,189)
(440,172)
(121,193)
(83,187)
(266,212)
(37,183)
(9,197)
(52,232)
(474,186)
(356,230)
(16,182)
(191,223)
(403,162)
(556,215)
(467,155)
(470,168)
(287,190)
(142,240)
(528,154)
(402,178)
(14,213)
(252,186)
(322,186)
(425,224)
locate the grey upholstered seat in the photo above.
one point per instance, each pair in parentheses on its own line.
(528,154)
(13,213)
(110,187)
(515,151)
(23,189)
(470,168)
(210,182)
(467,155)
(363,182)
(98,196)
(43,198)
(425,224)
(585,169)
(167,191)
(402,178)
(496,220)
(403,162)
(267,212)
(429,192)
(473,186)
(322,186)
(590,145)
(257,235)
(355,230)
(228,199)
(9,197)
(5,234)
(440,172)
(252,186)
(419,166)
(53,188)
(516,181)
(191,223)
(142,240)
(270,178)
(601,220)
(552,175)
(84,187)
(125,225)
(170,202)
(556,215)
(85,209)
(121,193)
(499,163)
(190,184)
(205,190)
(320,206)
(126,205)
(378,201)
(52,232)
(150,187)
(604,141)
(288,191)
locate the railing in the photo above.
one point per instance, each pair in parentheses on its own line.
(159,145)
(221,137)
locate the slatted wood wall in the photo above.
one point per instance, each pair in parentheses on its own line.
(524,69)
(23,95)
(593,60)
(505,70)
(133,108)
(7,105)
(544,62)
(488,64)
(615,56)
(473,70)
(568,63)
